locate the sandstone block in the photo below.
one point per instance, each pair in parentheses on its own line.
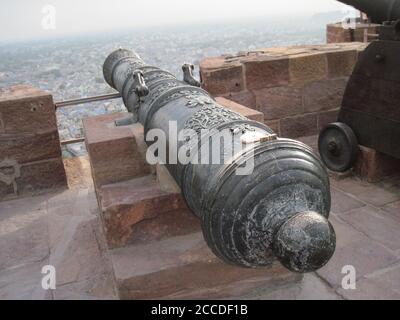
(373,166)
(41,175)
(243,110)
(266,72)
(327,117)
(245,98)
(228,78)
(24,109)
(308,67)
(116,153)
(305,125)
(323,95)
(341,63)
(279,102)
(29,147)
(184,268)
(274,125)
(138,211)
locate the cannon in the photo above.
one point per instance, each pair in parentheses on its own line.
(369,113)
(378,11)
(278,209)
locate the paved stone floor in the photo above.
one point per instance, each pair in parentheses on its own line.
(63,229)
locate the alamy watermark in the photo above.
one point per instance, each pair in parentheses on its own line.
(49,278)
(349,281)
(207,147)
(49,15)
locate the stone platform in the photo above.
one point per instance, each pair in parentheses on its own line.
(155,242)
(64,229)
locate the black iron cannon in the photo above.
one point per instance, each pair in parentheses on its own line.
(277,209)
(370,111)
(378,11)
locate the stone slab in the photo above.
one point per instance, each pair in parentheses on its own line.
(139,210)
(184,268)
(29,147)
(25,109)
(279,102)
(376,224)
(243,110)
(374,166)
(116,153)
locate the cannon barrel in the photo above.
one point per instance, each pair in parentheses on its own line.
(279,209)
(378,11)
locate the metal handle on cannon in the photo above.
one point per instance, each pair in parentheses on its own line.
(139,85)
(141,90)
(188,76)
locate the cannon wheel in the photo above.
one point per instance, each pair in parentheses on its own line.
(338,147)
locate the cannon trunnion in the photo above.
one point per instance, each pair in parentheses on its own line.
(279,209)
(370,111)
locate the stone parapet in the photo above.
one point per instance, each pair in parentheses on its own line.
(298,89)
(30,151)
(338,33)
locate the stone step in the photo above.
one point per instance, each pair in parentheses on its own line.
(183,267)
(140,210)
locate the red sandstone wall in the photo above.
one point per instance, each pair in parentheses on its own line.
(336,33)
(30,152)
(299,89)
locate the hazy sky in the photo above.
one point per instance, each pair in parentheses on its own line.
(22,19)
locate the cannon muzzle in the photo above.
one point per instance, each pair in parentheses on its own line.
(279,208)
(378,11)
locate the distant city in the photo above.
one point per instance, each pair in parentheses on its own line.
(71,68)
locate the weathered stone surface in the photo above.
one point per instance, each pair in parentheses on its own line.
(336,33)
(23,282)
(365,255)
(30,152)
(98,287)
(29,147)
(245,98)
(294,127)
(42,175)
(78,172)
(323,95)
(370,289)
(165,181)
(140,202)
(374,166)
(308,67)
(226,78)
(116,153)
(342,202)
(377,196)
(393,208)
(327,117)
(274,125)
(243,110)
(23,230)
(266,72)
(311,287)
(6,190)
(184,268)
(279,102)
(341,64)
(377,224)
(24,109)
